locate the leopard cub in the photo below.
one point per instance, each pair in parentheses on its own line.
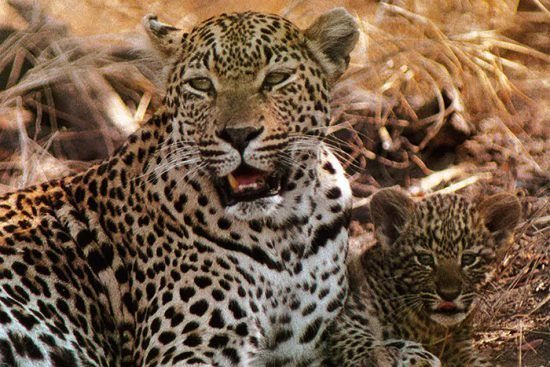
(413,292)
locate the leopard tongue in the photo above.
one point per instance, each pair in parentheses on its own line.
(446,306)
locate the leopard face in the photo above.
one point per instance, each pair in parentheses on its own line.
(444,249)
(249,96)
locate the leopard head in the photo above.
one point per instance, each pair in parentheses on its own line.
(248,94)
(444,248)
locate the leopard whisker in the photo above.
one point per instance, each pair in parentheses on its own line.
(188,176)
(339,152)
(179,143)
(290,161)
(168,165)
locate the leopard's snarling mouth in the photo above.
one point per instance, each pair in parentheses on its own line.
(248,184)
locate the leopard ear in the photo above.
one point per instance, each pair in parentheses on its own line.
(331,39)
(390,210)
(164,37)
(501,214)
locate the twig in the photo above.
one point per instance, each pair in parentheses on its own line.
(23,143)
(416,159)
(431,181)
(464,183)
(541,6)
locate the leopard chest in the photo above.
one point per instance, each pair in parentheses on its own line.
(303,298)
(261,293)
(274,301)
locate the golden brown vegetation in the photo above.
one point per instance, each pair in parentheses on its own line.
(441,95)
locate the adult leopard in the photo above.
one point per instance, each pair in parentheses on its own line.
(215,236)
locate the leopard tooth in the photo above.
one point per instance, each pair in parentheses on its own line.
(232,181)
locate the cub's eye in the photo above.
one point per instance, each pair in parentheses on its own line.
(468,259)
(425,259)
(275,78)
(201,84)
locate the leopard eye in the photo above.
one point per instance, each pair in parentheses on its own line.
(275,78)
(468,259)
(425,260)
(201,84)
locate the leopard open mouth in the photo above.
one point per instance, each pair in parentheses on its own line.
(448,313)
(248,184)
(447,308)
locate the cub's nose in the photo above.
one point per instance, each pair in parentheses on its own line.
(240,137)
(449,293)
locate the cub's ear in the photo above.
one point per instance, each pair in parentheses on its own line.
(390,210)
(331,39)
(501,214)
(164,37)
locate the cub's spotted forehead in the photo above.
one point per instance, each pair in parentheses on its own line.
(447,222)
(447,213)
(243,42)
(444,208)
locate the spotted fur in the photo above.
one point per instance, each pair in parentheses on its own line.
(137,262)
(441,249)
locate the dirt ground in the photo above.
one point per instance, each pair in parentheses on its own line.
(441,96)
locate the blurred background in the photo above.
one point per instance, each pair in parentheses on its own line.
(441,96)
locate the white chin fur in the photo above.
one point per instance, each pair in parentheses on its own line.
(257,209)
(448,320)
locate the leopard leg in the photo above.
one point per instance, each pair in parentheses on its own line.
(351,342)
(407,353)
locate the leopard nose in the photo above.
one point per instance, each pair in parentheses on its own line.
(449,293)
(240,137)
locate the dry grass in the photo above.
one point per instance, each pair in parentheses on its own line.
(442,95)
